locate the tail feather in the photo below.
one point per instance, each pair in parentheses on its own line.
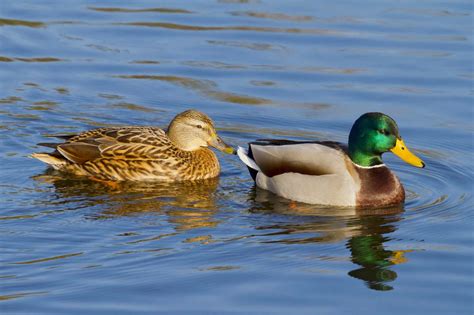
(64,136)
(244,157)
(54,161)
(249,161)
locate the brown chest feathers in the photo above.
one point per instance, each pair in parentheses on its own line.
(378,187)
(199,164)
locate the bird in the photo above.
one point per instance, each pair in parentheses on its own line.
(142,153)
(329,173)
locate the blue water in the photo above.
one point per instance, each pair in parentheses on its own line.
(260,69)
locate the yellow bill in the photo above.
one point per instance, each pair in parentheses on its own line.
(402,152)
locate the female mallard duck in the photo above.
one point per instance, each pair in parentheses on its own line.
(329,173)
(142,153)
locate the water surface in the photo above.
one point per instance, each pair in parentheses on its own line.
(260,69)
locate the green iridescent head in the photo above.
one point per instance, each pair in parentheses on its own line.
(374,134)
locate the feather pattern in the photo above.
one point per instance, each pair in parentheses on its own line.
(329,173)
(137,153)
(319,173)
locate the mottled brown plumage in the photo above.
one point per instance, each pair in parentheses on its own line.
(142,153)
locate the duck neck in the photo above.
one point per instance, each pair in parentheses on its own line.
(180,141)
(364,159)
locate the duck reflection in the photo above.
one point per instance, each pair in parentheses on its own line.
(364,233)
(187,205)
(368,251)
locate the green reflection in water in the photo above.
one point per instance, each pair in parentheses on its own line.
(193,205)
(368,251)
(364,233)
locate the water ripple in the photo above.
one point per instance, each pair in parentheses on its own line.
(11,22)
(185,27)
(297,71)
(206,87)
(130,10)
(37,59)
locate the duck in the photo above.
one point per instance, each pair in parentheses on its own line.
(329,173)
(142,153)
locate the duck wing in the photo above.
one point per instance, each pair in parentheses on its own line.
(276,157)
(114,143)
(311,172)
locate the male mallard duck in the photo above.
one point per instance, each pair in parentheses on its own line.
(142,153)
(328,173)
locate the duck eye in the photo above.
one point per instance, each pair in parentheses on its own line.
(384,132)
(199,126)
